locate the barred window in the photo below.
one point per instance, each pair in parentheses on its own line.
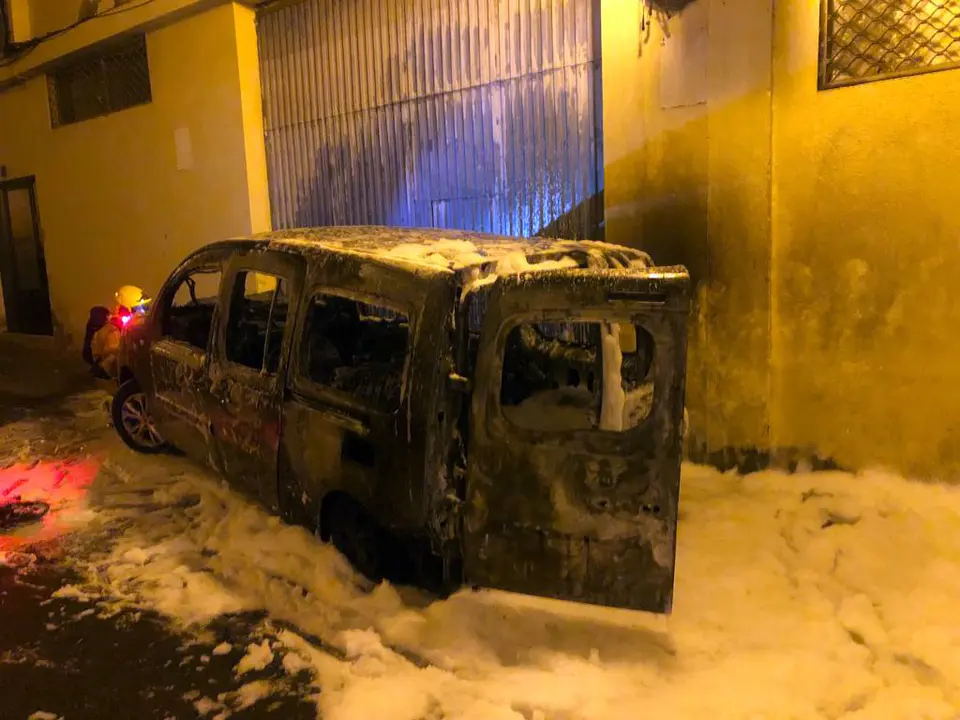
(99,84)
(865,40)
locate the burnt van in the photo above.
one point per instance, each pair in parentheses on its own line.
(512,407)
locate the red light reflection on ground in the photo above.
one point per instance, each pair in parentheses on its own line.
(61,484)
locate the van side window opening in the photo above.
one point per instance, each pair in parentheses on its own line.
(189,316)
(577,376)
(258,316)
(356,348)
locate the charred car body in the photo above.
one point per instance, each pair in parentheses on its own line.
(513,407)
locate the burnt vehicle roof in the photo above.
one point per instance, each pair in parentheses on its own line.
(456,252)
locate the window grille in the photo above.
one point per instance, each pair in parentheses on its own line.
(99,84)
(866,40)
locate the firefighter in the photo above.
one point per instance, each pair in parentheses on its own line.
(102,341)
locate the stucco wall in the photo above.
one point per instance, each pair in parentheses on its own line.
(818,225)
(48,16)
(114,207)
(866,241)
(20,19)
(687,138)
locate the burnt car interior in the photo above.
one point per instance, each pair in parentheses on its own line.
(258,317)
(357,348)
(553,374)
(189,317)
(553,371)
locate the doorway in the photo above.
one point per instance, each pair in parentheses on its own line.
(23,270)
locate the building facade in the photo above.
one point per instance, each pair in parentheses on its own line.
(797,165)
(126,185)
(799,157)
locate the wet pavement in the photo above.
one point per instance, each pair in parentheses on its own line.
(65,656)
(61,658)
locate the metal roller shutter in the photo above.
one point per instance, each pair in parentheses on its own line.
(451,113)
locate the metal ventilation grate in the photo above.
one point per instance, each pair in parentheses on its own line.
(866,40)
(99,84)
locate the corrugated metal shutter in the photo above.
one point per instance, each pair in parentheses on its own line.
(471,114)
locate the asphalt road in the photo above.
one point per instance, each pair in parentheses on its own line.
(60,655)
(59,660)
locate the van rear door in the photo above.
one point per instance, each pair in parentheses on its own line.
(573,471)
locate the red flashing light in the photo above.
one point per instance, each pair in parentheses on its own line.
(124,319)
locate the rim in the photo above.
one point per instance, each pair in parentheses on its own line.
(136,421)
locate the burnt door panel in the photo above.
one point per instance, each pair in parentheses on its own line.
(181,398)
(351,402)
(252,347)
(364,380)
(329,448)
(181,326)
(22,264)
(574,454)
(245,424)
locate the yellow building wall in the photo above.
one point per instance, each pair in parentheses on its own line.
(20,19)
(54,16)
(866,234)
(819,227)
(47,16)
(114,206)
(687,135)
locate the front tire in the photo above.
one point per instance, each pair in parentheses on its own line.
(133,422)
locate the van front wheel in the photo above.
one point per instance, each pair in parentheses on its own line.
(133,421)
